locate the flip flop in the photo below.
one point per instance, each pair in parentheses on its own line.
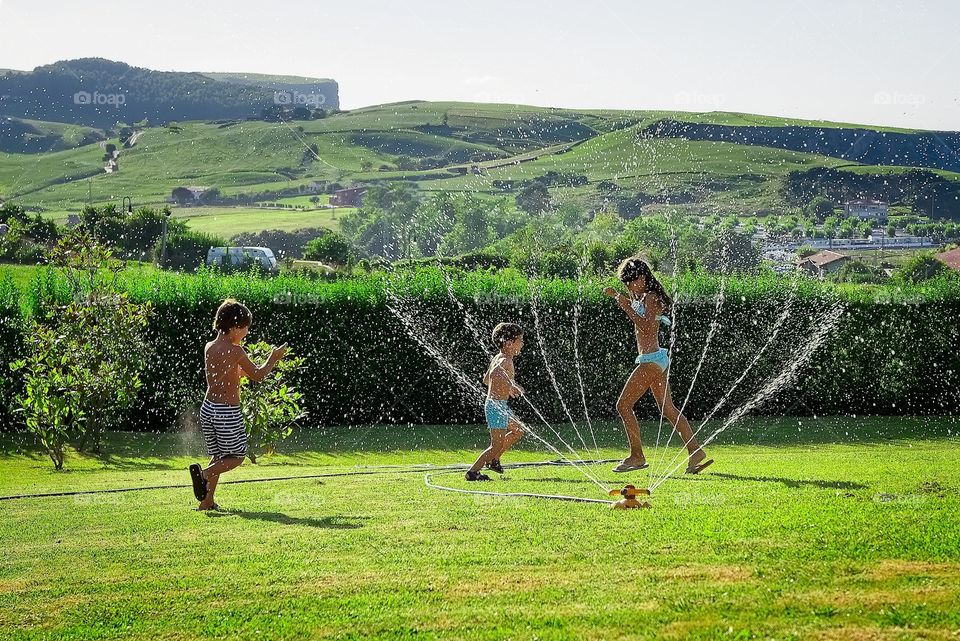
(199,483)
(627,467)
(699,467)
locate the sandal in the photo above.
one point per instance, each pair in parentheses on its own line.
(630,467)
(199,483)
(476,476)
(495,466)
(699,467)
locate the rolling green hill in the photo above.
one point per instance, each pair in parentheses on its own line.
(100,93)
(490,149)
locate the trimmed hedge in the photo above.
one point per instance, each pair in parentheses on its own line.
(11,345)
(893,351)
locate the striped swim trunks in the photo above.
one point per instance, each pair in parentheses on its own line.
(223,431)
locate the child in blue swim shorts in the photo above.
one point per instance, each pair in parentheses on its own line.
(505,429)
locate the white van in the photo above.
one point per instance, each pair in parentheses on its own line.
(240,256)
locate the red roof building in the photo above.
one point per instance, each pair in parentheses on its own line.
(951,258)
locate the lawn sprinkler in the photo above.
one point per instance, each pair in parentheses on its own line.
(629,500)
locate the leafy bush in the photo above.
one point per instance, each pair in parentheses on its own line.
(84,359)
(330,248)
(54,382)
(920,267)
(187,250)
(271,407)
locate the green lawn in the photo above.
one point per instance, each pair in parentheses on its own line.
(229,221)
(829,528)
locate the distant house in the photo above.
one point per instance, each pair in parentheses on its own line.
(866,209)
(351,197)
(951,258)
(822,263)
(180,196)
(198,192)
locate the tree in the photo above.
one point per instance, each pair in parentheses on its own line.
(534,199)
(471,231)
(210,196)
(181,195)
(920,267)
(82,372)
(819,208)
(331,248)
(730,251)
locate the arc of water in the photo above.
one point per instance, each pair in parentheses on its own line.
(470,385)
(586,473)
(576,361)
(467,316)
(803,354)
(673,334)
(773,335)
(546,364)
(714,324)
(476,335)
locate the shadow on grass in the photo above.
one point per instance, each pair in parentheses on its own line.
(792,483)
(327,523)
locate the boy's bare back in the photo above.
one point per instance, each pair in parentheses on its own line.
(222,360)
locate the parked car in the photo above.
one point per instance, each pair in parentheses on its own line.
(240,257)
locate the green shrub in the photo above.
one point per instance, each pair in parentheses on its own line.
(187,250)
(920,267)
(330,248)
(362,366)
(54,383)
(271,407)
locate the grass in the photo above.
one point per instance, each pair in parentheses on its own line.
(829,528)
(251,158)
(21,275)
(229,221)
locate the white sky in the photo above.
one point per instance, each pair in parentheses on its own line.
(872,62)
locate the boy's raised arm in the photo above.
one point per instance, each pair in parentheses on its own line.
(254,373)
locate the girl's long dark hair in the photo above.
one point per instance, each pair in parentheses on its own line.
(635,267)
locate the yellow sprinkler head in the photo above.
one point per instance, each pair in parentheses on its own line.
(629,500)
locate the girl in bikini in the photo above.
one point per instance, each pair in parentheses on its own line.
(647,305)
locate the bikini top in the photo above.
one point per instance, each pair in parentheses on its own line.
(641,310)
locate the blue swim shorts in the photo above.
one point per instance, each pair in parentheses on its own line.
(498,414)
(660,358)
